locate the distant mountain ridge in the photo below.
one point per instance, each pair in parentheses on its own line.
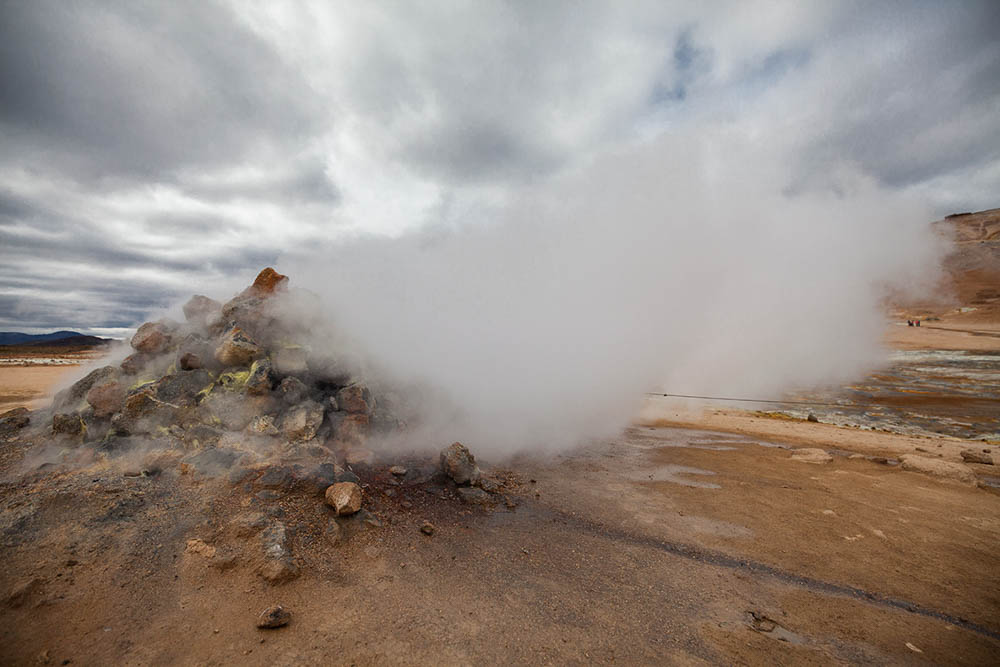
(54,338)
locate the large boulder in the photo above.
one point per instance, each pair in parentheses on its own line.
(152,338)
(301,422)
(268,282)
(73,397)
(458,463)
(237,348)
(977,456)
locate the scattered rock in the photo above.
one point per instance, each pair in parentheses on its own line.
(945,469)
(332,533)
(245,525)
(263,424)
(273,617)
(279,566)
(811,455)
(152,338)
(236,349)
(427,528)
(134,363)
(458,463)
(14,420)
(344,497)
(974,456)
(398,471)
(812,418)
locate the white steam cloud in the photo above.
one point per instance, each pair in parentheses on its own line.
(688,264)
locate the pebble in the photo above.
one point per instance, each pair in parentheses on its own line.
(427,528)
(274,617)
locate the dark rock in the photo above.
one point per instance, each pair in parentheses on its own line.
(315,478)
(276,477)
(348,476)
(134,363)
(355,398)
(14,420)
(488,485)
(332,533)
(427,528)
(279,565)
(398,471)
(458,463)
(263,424)
(213,461)
(262,378)
(273,617)
(237,348)
(152,338)
(182,388)
(812,418)
(472,496)
(67,423)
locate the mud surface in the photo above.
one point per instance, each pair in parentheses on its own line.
(609,555)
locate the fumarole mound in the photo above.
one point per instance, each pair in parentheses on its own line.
(232,400)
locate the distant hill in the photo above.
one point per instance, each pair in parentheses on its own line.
(60,338)
(974,262)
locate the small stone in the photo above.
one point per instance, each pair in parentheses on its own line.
(398,471)
(427,528)
(458,463)
(344,497)
(106,398)
(245,525)
(263,424)
(273,617)
(151,338)
(812,418)
(973,456)
(811,455)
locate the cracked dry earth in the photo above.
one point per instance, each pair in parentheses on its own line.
(661,546)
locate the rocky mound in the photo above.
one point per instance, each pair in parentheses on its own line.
(232,397)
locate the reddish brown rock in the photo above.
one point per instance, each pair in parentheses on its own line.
(355,399)
(134,363)
(344,497)
(237,349)
(268,282)
(106,398)
(190,361)
(151,338)
(201,309)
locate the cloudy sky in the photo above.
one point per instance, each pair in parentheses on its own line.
(153,150)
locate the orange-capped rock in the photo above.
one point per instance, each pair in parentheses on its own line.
(269,281)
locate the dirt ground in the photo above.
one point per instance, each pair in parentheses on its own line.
(30,386)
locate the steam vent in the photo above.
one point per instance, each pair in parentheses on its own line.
(232,411)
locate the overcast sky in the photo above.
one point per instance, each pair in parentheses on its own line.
(153,150)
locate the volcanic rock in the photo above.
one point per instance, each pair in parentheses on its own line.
(938,468)
(134,363)
(279,566)
(236,349)
(976,456)
(344,497)
(273,617)
(152,338)
(261,379)
(268,282)
(292,390)
(67,423)
(471,495)
(263,424)
(201,310)
(398,471)
(811,455)
(458,463)
(14,420)
(182,388)
(190,361)
(301,422)
(73,397)
(106,398)
(356,399)
(427,528)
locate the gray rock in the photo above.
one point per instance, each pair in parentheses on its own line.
(292,390)
(279,565)
(261,379)
(398,471)
(190,361)
(263,424)
(67,424)
(201,310)
(458,463)
(276,477)
(152,338)
(471,495)
(427,528)
(106,398)
(73,397)
(344,497)
(182,388)
(14,420)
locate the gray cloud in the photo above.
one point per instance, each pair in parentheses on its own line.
(149,148)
